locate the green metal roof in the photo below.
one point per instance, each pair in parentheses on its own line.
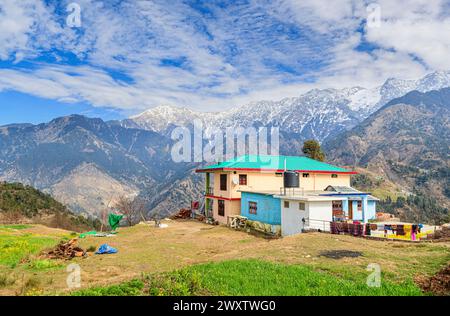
(275,163)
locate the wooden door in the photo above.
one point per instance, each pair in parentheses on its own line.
(350,209)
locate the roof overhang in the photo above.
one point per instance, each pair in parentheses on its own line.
(273,170)
(310,198)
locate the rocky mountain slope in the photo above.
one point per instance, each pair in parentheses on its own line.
(407,142)
(88,164)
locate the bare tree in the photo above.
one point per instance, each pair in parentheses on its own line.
(132,209)
(155,216)
(105,212)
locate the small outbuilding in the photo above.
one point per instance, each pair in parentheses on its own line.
(299,210)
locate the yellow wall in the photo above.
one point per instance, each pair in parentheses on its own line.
(317,181)
(271,182)
(265,182)
(231,208)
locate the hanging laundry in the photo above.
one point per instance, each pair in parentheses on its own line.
(400,230)
(368,229)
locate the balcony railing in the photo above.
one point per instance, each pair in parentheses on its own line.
(292,191)
(209,191)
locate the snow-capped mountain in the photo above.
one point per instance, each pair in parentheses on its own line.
(319,113)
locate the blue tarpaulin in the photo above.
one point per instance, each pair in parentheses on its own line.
(105,249)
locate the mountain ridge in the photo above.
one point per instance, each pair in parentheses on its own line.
(85,162)
(318,113)
(405,142)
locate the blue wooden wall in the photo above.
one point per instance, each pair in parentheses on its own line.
(370,212)
(269,208)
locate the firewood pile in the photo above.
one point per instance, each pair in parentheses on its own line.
(441,235)
(183,213)
(66,250)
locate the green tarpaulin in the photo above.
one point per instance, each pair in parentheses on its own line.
(114,220)
(93,232)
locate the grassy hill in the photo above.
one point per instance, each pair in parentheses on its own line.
(192,258)
(23,203)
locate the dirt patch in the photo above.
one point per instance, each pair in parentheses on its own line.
(339,254)
(438,284)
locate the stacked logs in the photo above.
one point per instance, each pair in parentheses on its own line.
(66,250)
(182,214)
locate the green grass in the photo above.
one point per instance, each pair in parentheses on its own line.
(44,264)
(256,277)
(14,227)
(252,277)
(131,288)
(13,249)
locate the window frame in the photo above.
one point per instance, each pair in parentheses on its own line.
(243,176)
(337,208)
(223,185)
(253,210)
(304,206)
(286,203)
(221,208)
(359,205)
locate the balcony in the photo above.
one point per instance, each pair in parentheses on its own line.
(209,191)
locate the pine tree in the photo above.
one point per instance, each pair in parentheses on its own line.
(311,148)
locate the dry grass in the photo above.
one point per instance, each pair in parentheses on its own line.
(146,249)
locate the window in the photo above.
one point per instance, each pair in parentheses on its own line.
(306,175)
(359,205)
(334,175)
(223,182)
(337,209)
(278,174)
(286,204)
(242,179)
(301,206)
(221,207)
(252,207)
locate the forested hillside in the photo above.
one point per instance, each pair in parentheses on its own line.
(22,203)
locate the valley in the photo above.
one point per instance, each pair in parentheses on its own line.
(87,163)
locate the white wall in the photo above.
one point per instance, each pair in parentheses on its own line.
(291,218)
(320,214)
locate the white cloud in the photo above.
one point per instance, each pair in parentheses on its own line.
(14,25)
(419,28)
(231,54)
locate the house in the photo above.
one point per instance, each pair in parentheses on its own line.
(252,186)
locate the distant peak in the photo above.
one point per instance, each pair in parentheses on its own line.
(161,109)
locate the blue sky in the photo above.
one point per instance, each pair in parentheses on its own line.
(129,56)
